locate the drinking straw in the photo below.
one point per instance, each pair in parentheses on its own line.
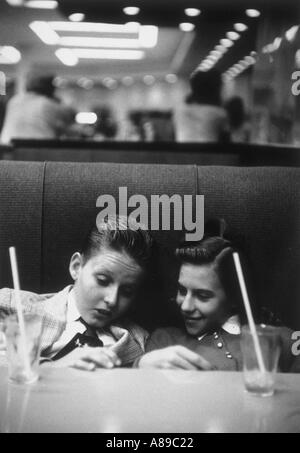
(16,282)
(251,322)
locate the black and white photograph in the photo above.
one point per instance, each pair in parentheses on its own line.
(149,219)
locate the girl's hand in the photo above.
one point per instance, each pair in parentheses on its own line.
(174,357)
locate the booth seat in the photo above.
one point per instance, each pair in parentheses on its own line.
(47,208)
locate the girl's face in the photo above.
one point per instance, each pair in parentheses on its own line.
(201,298)
(105,286)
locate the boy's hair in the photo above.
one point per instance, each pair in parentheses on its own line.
(120,234)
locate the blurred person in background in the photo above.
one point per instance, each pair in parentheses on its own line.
(202,118)
(36,113)
(239,126)
(106,127)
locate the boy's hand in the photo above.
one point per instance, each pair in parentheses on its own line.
(89,359)
(174,357)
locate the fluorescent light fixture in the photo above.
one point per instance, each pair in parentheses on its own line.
(186,26)
(44,32)
(192,12)
(131,10)
(171,78)
(86,118)
(77,17)
(9,55)
(226,42)
(67,57)
(77,41)
(240,27)
(41,4)
(253,12)
(94,27)
(110,83)
(233,35)
(107,54)
(292,33)
(147,38)
(15,2)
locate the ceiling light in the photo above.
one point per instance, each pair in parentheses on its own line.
(78,41)
(186,26)
(226,43)
(216,53)
(93,27)
(67,57)
(131,10)
(15,2)
(243,63)
(86,118)
(220,48)
(250,60)
(292,33)
(239,67)
(85,83)
(128,81)
(149,80)
(110,83)
(212,58)
(109,54)
(44,32)
(60,82)
(253,12)
(41,4)
(77,17)
(132,27)
(233,35)
(192,12)
(240,27)
(9,55)
(171,78)
(148,36)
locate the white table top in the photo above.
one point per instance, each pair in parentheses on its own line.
(137,401)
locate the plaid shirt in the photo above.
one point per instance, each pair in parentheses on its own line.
(130,338)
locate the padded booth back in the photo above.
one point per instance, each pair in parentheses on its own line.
(47,208)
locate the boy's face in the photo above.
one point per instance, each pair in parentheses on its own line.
(105,286)
(201,298)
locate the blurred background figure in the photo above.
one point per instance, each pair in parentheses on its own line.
(106,127)
(238,123)
(36,113)
(202,118)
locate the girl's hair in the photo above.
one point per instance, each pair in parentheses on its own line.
(217,251)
